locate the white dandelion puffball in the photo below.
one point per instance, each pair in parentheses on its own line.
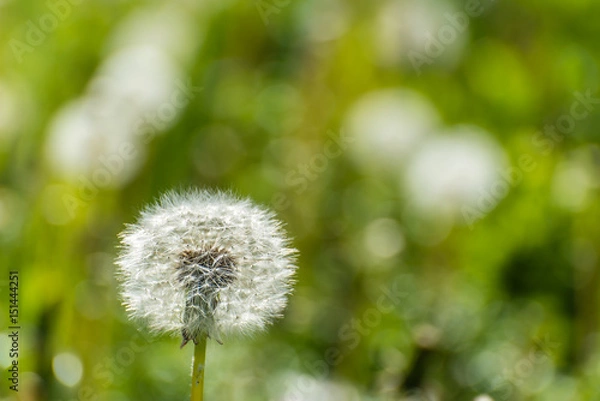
(388,125)
(454,169)
(205,263)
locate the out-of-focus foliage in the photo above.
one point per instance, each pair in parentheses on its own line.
(436,161)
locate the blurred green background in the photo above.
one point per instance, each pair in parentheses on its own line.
(435,161)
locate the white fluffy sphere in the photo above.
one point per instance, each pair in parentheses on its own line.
(205,263)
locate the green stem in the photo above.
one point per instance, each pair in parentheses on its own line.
(198,370)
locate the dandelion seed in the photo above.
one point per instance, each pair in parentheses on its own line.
(205,264)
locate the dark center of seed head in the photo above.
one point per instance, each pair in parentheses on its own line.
(204,271)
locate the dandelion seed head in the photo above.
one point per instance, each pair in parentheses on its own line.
(202,262)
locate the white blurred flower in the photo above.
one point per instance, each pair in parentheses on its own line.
(67,368)
(408,27)
(454,170)
(169,27)
(82,142)
(137,80)
(326,20)
(387,125)
(205,262)
(137,92)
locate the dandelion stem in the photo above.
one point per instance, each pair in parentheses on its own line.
(198,372)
